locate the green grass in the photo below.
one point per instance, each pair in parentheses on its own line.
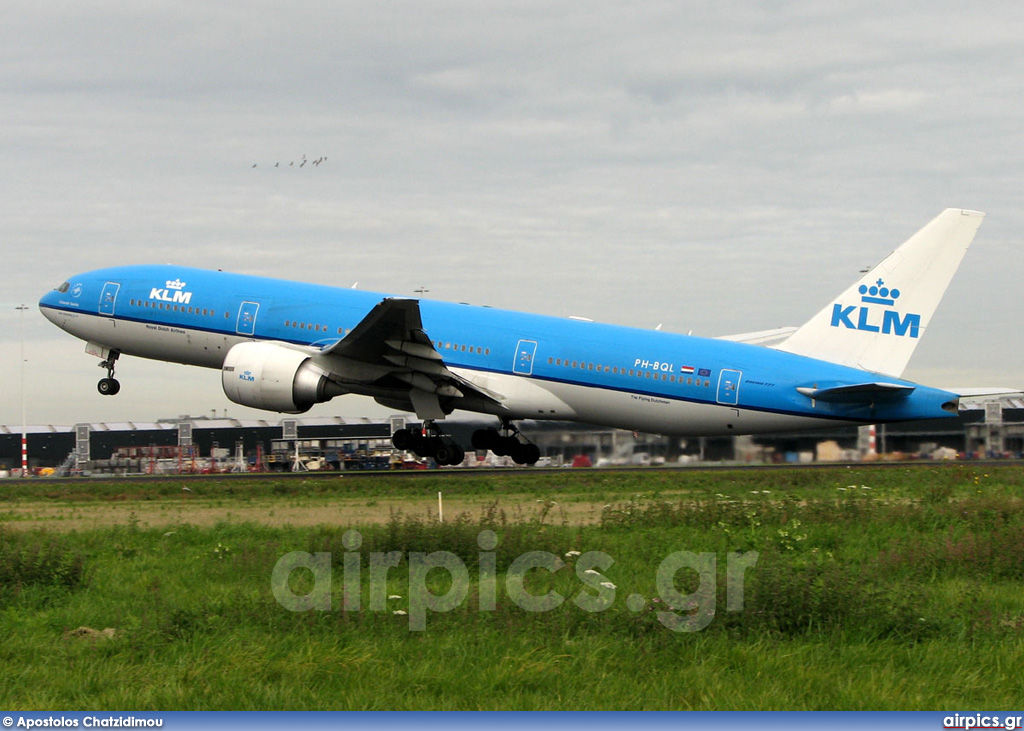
(902,590)
(924,480)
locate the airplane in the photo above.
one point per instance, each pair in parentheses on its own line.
(284,346)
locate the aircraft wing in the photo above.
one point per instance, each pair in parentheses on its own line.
(390,355)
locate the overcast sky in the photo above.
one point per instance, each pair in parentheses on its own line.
(719,167)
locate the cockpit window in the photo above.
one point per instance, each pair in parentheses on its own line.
(64,287)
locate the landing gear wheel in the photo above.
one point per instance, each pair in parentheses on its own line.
(505,443)
(505,446)
(449,454)
(525,453)
(108,386)
(485,438)
(422,447)
(429,442)
(402,439)
(442,454)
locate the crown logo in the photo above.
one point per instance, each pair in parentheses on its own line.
(176,284)
(878,293)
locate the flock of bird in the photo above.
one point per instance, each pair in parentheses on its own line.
(302,163)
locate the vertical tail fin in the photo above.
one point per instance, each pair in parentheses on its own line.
(876,323)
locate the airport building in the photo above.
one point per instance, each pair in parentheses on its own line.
(204,444)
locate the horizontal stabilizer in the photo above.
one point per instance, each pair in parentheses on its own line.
(760,337)
(857,393)
(976,397)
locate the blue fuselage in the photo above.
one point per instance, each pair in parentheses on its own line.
(635,379)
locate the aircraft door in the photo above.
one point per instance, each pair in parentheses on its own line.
(729,387)
(108,297)
(525,352)
(246,324)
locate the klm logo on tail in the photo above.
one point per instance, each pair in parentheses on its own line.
(866,318)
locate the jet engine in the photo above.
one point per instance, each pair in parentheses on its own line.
(275,377)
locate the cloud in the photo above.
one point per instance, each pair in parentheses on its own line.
(720,167)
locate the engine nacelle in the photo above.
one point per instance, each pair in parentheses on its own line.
(274,377)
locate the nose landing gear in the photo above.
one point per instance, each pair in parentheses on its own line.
(109,386)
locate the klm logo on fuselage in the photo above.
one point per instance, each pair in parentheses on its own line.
(171,292)
(867,319)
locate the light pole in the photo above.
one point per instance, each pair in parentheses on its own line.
(24,429)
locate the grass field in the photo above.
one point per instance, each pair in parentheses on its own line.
(864,588)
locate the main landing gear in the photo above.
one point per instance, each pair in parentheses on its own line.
(109,386)
(429,442)
(504,442)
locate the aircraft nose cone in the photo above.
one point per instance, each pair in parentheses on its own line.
(48,304)
(48,313)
